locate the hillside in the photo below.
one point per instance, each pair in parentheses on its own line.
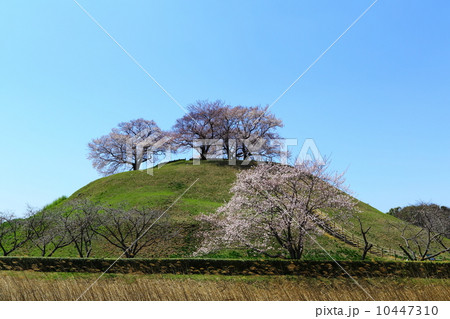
(138,188)
(159,191)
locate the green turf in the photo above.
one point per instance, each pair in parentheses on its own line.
(160,190)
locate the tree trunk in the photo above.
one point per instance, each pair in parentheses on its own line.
(136,166)
(295,253)
(367,247)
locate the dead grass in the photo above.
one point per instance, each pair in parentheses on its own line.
(63,286)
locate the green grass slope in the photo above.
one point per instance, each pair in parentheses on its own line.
(211,190)
(160,190)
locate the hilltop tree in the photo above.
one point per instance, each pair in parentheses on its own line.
(274,207)
(202,122)
(127,146)
(254,130)
(240,132)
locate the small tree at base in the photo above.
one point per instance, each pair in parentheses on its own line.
(46,232)
(79,220)
(367,246)
(13,233)
(132,230)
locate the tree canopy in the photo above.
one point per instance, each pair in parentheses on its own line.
(214,129)
(126,147)
(230,131)
(274,207)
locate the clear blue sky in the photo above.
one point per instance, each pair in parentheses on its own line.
(378,102)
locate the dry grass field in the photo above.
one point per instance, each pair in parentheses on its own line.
(36,286)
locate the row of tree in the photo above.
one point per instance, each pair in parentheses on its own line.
(274,211)
(81,223)
(242,133)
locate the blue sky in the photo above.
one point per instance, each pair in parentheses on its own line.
(377,102)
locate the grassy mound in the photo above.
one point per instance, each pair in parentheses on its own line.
(160,190)
(166,184)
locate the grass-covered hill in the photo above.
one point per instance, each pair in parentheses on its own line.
(160,190)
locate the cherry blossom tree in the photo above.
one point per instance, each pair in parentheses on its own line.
(274,208)
(127,146)
(242,132)
(254,130)
(203,122)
